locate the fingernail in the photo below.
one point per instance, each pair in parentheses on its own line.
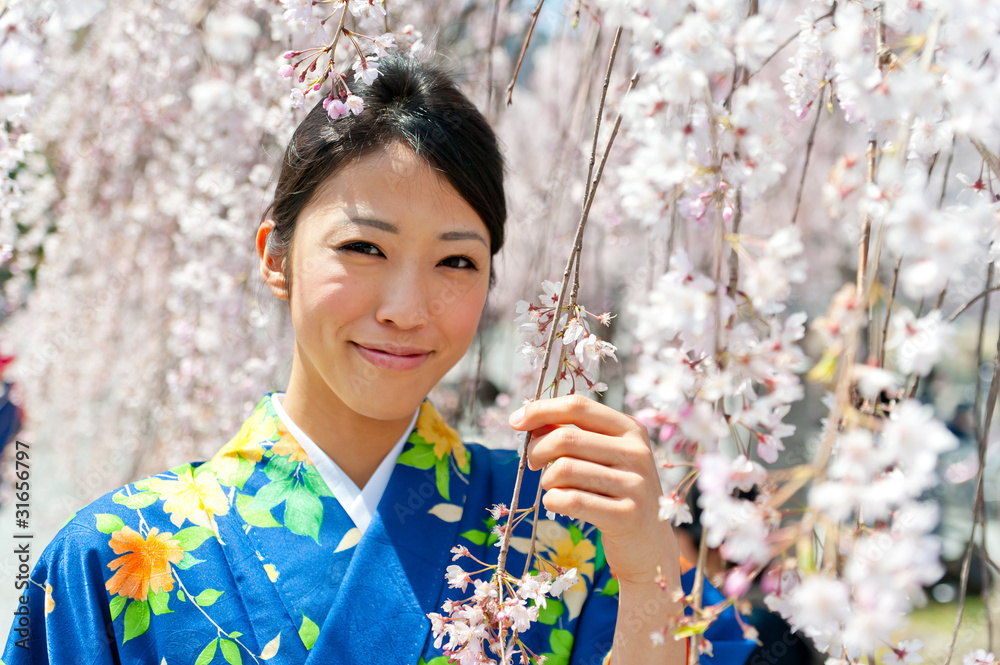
(517,417)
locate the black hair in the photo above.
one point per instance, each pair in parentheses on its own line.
(412,103)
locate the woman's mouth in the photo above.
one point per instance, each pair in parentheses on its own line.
(388,357)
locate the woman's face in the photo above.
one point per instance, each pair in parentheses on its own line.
(390,272)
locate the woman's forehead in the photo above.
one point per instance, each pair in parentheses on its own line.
(390,187)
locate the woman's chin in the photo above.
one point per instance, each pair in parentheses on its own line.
(384,403)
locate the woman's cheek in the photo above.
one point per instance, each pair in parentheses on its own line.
(330,301)
(466,308)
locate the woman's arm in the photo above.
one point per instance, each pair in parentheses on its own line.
(603,472)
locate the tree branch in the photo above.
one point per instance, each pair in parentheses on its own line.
(524,49)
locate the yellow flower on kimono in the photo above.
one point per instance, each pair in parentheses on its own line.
(432,427)
(556,550)
(244,446)
(196,498)
(144,566)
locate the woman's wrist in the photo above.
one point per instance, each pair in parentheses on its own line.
(645,607)
(662,582)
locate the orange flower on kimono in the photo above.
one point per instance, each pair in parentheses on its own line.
(432,427)
(287,445)
(144,566)
(49,603)
(196,498)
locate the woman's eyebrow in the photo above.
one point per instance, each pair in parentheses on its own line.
(392,228)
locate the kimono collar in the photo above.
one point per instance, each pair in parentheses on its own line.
(324,569)
(432,442)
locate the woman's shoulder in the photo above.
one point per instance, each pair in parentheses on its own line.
(127,509)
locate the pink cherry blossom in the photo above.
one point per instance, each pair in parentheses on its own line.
(674,509)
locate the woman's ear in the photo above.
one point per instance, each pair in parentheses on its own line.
(271,263)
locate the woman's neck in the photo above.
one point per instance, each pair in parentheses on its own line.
(356,443)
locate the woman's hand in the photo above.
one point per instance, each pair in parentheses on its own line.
(603,472)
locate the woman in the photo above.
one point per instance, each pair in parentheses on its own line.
(322,531)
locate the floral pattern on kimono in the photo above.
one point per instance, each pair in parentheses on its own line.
(249,558)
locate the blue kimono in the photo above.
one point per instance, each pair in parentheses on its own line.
(249,558)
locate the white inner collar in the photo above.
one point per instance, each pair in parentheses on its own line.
(360,504)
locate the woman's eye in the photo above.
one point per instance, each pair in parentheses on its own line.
(462,262)
(363,248)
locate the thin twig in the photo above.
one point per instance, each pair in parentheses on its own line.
(888,311)
(978,403)
(984,571)
(534,531)
(524,49)
(940,298)
(866,225)
(593,188)
(947,170)
(989,157)
(477,377)
(578,239)
(842,389)
(734,259)
(600,115)
(336,37)
(979,505)
(809,148)
(790,39)
(489,56)
(972,301)
(696,589)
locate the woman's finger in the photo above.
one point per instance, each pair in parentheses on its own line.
(597,509)
(598,448)
(578,474)
(573,410)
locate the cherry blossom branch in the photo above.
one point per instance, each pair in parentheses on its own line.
(888,311)
(575,255)
(842,391)
(791,38)
(489,55)
(336,36)
(979,352)
(978,504)
(947,170)
(972,301)
(809,147)
(524,49)
(597,120)
(989,157)
(577,243)
(734,259)
(696,591)
(866,223)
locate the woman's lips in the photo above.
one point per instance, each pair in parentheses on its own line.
(387,360)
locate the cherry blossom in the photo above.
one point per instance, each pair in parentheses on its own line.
(580,351)
(488,622)
(979,657)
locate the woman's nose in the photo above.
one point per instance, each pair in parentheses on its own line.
(403,300)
